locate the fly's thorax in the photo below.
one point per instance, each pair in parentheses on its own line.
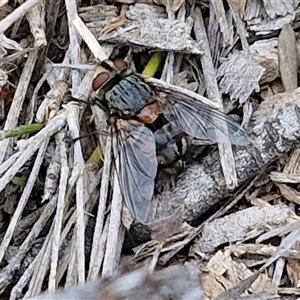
(130,95)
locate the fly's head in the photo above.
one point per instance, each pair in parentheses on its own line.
(124,91)
(124,94)
(108,74)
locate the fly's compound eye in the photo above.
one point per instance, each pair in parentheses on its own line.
(101,78)
(121,64)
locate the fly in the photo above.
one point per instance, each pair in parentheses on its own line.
(133,100)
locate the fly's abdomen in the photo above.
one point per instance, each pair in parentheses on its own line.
(130,95)
(171,145)
(167,135)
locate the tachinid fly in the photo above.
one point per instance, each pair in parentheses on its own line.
(133,100)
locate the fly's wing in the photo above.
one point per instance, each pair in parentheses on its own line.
(136,163)
(195,116)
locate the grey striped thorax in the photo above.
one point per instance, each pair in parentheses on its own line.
(130,95)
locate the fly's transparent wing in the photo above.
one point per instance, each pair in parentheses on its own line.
(203,122)
(198,119)
(136,163)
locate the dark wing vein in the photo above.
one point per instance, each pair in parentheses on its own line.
(135,154)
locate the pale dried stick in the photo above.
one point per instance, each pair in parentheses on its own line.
(52,174)
(240,26)
(81,194)
(94,177)
(59,211)
(99,117)
(279,271)
(155,256)
(27,222)
(112,257)
(39,277)
(44,255)
(76,172)
(23,200)
(261,249)
(286,244)
(8,272)
(37,264)
(168,70)
(89,39)
(80,66)
(221,17)
(71,9)
(85,88)
(3,2)
(79,165)
(119,246)
(36,20)
(95,265)
(17,14)
(39,267)
(283,230)
(101,250)
(51,103)
(165,258)
(72,274)
(90,203)
(35,142)
(213,93)
(34,97)
(60,74)
(288,57)
(15,109)
(9,162)
(64,262)
(11,59)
